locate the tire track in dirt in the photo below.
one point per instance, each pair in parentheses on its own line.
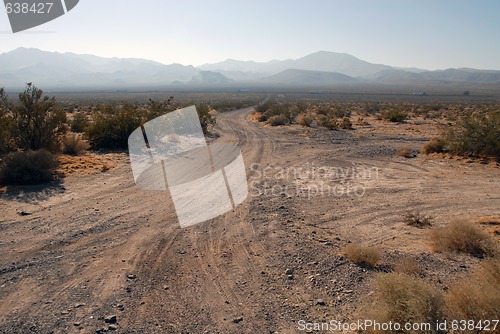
(119,250)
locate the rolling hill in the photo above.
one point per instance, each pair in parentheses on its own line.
(305,77)
(70,71)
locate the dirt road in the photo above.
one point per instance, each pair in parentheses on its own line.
(75,253)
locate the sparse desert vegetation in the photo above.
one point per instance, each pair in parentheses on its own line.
(38,125)
(94,224)
(402,299)
(363,255)
(407,296)
(477,296)
(407,265)
(74,144)
(475,134)
(463,237)
(28,167)
(417,219)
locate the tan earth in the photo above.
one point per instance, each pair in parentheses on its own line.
(75,253)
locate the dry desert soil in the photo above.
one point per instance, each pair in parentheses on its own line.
(93,253)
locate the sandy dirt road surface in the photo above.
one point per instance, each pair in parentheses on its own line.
(75,253)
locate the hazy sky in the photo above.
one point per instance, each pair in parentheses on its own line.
(429,34)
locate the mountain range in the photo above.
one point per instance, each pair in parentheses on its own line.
(67,71)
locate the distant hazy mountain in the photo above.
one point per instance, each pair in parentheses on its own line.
(452,75)
(305,77)
(209,77)
(61,70)
(319,61)
(69,71)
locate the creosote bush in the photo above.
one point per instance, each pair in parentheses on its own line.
(79,123)
(278,120)
(6,140)
(463,237)
(346,123)
(28,167)
(113,124)
(38,122)
(475,134)
(396,116)
(330,124)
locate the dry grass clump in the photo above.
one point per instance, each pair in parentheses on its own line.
(277,120)
(346,123)
(28,167)
(463,237)
(396,116)
(404,299)
(406,152)
(477,297)
(417,219)
(362,255)
(435,145)
(305,119)
(73,144)
(407,265)
(327,122)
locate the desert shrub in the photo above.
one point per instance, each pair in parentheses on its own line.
(407,265)
(37,121)
(475,134)
(394,116)
(159,108)
(346,123)
(328,122)
(405,152)
(112,125)
(277,120)
(286,112)
(323,109)
(28,167)
(263,107)
(305,119)
(206,119)
(79,122)
(6,143)
(340,112)
(435,145)
(156,109)
(73,144)
(405,299)
(364,256)
(417,219)
(463,237)
(362,121)
(477,297)
(262,117)
(370,109)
